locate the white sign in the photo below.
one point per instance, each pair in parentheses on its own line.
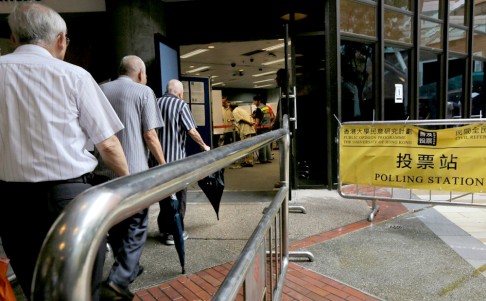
(398,93)
(61,6)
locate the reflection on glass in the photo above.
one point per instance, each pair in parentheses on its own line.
(480,19)
(429,8)
(479,44)
(455,95)
(403,4)
(456,13)
(396,84)
(356,81)
(358,18)
(457,40)
(478,99)
(430,34)
(398,27)
(428,77)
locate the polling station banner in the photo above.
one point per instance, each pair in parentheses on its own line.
(411,157)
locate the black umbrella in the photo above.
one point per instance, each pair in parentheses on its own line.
(213,186)
(177,230)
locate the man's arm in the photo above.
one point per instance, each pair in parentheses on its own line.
(197,138)
(153,143)
(112,154)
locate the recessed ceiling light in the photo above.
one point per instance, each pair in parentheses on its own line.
(193,53)
(262,86)
(273,62)
(264,73)
(278,46)
(264,80)
(197,69)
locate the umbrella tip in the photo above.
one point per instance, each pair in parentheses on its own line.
(183,270)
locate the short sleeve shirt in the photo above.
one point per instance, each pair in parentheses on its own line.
(178,121)
(49,110)
(136,107)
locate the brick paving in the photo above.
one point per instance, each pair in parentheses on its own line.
(300,283)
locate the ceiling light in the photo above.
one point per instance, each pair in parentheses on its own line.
(273,62)
(262,86)
(193,53)
(198,69)
(297,16)
(217,84)
(264,80)
(278,46)
(264,73)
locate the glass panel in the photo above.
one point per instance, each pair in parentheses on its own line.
(403,4)
(428,78)
(479,44)
(357,85)
(478,106)
(311,88)
(457,40)
(455,96)
(396,84)
(480,16)
(358,18)
(430,34)
(456,12)
(398,27)
(429,8)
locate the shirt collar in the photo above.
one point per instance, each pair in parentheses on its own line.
(33,49)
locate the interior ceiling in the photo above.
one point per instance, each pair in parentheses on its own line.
(245,27)
(235,64)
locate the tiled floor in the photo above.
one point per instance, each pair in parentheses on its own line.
(470,219)
(300,283)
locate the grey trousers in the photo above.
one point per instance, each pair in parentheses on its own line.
(127,240)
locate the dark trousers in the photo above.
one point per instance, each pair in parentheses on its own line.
(165,219)
(28,210)
(127,239)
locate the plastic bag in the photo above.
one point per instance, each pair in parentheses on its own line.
(6,291)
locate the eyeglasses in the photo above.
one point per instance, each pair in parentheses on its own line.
(65,35)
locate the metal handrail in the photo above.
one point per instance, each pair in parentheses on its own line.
(65,264)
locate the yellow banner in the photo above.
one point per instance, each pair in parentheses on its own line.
(407,156)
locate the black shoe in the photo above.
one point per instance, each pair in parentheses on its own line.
(112,292)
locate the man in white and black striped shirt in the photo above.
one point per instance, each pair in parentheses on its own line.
(178,124)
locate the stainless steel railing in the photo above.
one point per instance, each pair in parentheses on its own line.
(65,264)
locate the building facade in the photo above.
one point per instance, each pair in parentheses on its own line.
(349,59)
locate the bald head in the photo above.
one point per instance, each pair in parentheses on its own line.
(175,87)
(133,67)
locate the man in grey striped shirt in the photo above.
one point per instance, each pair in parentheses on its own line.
(135,104)
(178,124)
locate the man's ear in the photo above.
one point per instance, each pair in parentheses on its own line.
(60,47)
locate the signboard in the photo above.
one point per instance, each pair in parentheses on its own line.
(197,95)
(407,156)
(61,6)
(255,277)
